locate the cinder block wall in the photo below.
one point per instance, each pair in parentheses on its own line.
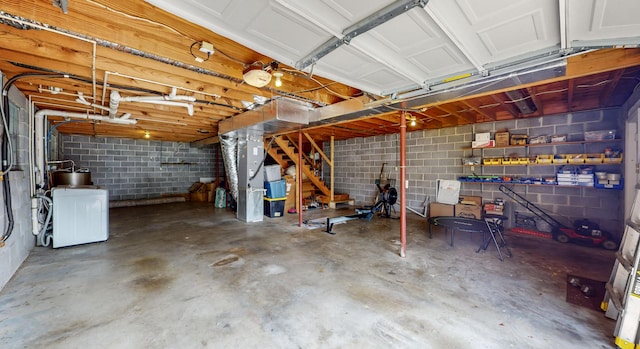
(21,242)
(140,169)
(436,154)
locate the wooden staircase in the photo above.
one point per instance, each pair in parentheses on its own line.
(285,155)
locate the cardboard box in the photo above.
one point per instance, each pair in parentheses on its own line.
(502,139)
(483,136)
(519,139)
(438,210)
(483,144)
(290,202)
(497,213)
(468,211)
(470,200)
(492,207)
(201,196)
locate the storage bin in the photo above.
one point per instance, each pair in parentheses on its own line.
(276,189)
(519,139)
(593,158)
(492,161)
(617,160)
(544,159)
(599,135)
(272,173)
(574,158)
(274,207)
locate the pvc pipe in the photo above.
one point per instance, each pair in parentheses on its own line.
(171,100)
(114,102)
(40,140)
(35,225)
(45,240)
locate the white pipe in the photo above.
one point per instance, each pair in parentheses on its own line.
(32,181)
(81,100)
(114,102)
(40,140)
(171,100)
(106,73)
(35,225)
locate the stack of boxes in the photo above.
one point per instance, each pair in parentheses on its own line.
(276,192)
(496,207)
(483,140)
(469,207)
(572,175)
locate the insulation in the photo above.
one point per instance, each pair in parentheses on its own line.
(229,150)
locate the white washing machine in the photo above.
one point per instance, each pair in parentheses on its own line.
(80,215)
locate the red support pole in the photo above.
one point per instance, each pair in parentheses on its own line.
(299,176)
(403,188)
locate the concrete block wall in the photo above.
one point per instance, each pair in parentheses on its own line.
(436,154)
(22,241)
(141,169)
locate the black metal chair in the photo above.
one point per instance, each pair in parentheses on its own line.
(490,227)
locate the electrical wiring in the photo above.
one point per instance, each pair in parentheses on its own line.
(230,57)
(323,86)
(138,18)
(7,152)
(199,59)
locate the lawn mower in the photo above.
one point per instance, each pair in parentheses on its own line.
(583,231)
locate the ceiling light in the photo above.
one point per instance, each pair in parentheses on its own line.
(278,76)
(255,75)
(147,134)
(413,121)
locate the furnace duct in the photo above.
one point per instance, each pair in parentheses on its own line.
(229,145)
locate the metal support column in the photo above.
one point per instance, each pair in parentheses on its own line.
(403,187)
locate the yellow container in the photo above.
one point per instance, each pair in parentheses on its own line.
(574,158)
(593,158)
(613,160)
(544,159)
(492,161)
(559,159)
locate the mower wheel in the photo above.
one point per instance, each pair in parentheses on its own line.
(610,245)
(562,237)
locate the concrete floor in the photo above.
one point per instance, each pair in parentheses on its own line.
(188,275)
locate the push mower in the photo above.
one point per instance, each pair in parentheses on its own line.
(583,230)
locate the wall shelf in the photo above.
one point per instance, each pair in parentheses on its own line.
(547,144)
(176,163)
(539,185)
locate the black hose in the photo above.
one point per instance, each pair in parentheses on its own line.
(6,186)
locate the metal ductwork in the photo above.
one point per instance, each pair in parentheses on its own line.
(242,140)
(229,145)
(279,115)
(352,109)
